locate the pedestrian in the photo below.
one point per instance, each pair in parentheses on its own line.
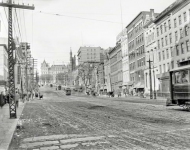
(39,94)
(1,100)
(17,97)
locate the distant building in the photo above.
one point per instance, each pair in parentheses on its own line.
(90,54)
(122,38)
(107,76)
(72,64)
(44,68)
(116,68)
(53,70)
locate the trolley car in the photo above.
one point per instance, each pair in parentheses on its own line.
(180,85)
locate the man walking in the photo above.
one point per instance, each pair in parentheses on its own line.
(17,97)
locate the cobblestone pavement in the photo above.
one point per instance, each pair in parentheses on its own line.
(85,123)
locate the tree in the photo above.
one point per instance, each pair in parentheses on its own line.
(61,78)
(46,78)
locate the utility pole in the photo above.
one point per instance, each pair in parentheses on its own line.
(150,77)
(12,103)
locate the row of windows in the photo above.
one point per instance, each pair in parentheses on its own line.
(165,54)
(136,30)
(163,28)
(91,49)
(116,66)
(113,59)
(165,67)
(141,62)
(132,77)
(132,66)
(91,53)
(138,27)
(183,46)
(140,38)
(137,76)
(183,33)
(131,56)
(165,41)
(139,51)
(117,77)
(150,38)
(131,45)
(179,21)
(167,25)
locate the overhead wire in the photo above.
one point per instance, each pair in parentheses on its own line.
(12,22)
(16,32)
(19,13)
(6,28)
(24,25)
(61,15)
(18,25)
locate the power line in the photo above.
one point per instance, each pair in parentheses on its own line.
(7,22)
(18,24)
(24,25)
(3,22)
(61,15)
(22,33)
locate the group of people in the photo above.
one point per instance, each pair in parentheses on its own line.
(5,97)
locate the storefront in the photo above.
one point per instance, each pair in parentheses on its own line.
(164,84)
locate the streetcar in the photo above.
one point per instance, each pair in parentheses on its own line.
(180,86)
(68,91)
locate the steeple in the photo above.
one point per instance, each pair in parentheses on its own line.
(71,60)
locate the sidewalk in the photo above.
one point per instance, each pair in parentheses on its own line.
(7,125)
(135,97)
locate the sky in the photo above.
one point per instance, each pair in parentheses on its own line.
(56,26)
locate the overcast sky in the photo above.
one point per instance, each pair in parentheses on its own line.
(52,36)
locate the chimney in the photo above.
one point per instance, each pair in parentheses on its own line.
(152,13)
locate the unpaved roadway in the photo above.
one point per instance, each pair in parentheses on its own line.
(80,122)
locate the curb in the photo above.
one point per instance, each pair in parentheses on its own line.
(9,126)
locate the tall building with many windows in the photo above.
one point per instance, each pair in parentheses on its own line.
(136,48)
(151,69)
(122,38)
(173,40)
(90,54)
(116,74)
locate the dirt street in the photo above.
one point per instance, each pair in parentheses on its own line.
(85,122)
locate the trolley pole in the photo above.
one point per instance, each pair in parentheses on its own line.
(12,103)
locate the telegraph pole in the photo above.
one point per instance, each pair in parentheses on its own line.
(12,103)
(151,96)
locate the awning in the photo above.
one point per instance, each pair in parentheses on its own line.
(124,87)
(130,83)
(139,85)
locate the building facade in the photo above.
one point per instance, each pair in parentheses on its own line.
(125,61)
(90,54)
(3,60)
(136,48)
(53,70)
(173,40)
(151,69)
(72,65)
(107,71)
(116,68)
